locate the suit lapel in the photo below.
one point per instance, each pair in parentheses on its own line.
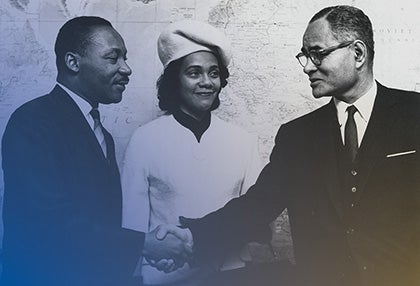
(75,124)
(379,126)
(329,139)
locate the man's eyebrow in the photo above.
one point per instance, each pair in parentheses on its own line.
(317,48)
(313,48)
(115,50)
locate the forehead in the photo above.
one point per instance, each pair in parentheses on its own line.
(106,38)
(318,35)
(201,58)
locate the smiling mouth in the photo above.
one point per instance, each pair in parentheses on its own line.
(205,93)
(121,84)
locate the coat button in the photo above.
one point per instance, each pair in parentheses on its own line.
(353,189)
(354,172)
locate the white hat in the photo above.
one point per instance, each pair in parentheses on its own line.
(185,37)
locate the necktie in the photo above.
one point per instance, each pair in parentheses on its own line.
(350,133)
(97,129)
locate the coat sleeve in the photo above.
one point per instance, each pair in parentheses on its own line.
(32,200)
(253,166)
(135,186)
(245,218)
(56,228)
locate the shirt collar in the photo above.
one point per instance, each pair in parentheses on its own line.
(83,105)
(364,105)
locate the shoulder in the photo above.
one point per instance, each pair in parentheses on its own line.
(402,96)
(30,124)
(158,123)
(312,119)
(46,108)
(153,129)
(217,122)
(34,107)
(230,130)
(306,128)
(405,103)
(33,116)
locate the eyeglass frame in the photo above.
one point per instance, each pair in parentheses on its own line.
(316,56)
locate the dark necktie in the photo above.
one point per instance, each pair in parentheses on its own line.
(350,133)
(97,129)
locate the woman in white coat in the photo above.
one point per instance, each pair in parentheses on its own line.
(188,161)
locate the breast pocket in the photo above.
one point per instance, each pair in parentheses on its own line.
(398,171)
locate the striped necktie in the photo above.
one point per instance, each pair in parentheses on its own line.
(97,129)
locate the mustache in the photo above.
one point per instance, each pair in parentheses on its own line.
(122,80)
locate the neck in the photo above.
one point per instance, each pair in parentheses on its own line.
(196,115)
(361,87)
(75,87)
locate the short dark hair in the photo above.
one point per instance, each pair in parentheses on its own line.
(74,36)
(349,23)
(168,85)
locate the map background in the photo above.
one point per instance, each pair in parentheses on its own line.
(266,88)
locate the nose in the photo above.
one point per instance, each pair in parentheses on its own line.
(125,69)
(309,67)
(205,80)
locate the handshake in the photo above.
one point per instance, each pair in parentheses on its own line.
(168,247)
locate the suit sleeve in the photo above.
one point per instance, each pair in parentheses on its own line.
(53,221)
(245,218)
(30,199)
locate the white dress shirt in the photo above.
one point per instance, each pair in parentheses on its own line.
(364,107)
(85,108)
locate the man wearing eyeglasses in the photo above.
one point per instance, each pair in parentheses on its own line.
(348,173)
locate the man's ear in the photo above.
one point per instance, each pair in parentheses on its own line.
(72,61)
(360,53)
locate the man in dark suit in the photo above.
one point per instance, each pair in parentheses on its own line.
(62,200)
(348,173)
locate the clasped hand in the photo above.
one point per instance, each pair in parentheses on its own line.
(168,247)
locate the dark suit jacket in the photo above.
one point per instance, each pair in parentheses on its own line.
(62,200)
(375,241)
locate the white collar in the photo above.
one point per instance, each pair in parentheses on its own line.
(83,105)
(364,105)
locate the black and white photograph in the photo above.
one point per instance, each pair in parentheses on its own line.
(220,142)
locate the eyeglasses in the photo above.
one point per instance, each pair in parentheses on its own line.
(317,56)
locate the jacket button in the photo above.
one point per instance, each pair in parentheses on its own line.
(353,189)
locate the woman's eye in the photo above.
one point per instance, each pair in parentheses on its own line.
(193,73)
(214,74)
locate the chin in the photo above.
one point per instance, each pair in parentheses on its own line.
(206,108)
(317,93)
(116,98)
(112,99)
